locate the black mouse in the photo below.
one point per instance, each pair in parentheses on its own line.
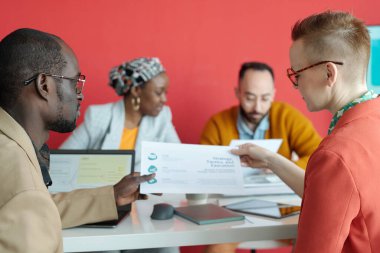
(162,211)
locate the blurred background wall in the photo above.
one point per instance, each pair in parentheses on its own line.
(200,42)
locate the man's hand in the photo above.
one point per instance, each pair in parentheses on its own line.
(127,189)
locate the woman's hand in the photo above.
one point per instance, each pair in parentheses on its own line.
(253,156)
(257,157)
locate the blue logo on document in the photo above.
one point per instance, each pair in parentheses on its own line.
(152,156)
(152,181)
(152,169)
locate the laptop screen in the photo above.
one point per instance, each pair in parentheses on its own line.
(77,169)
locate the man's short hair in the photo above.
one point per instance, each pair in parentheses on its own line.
(25,53)
(334,36)
(259,66)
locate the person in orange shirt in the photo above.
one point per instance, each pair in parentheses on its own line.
(329,59)
(258,116)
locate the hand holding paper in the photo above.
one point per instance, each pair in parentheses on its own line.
(186,168)
(127,189)
(259,151)
(253,156)
(257,181)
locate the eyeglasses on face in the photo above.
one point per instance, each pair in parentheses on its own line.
(293,75)
(80,80)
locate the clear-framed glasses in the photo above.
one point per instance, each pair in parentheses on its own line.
(80,80)
(293,75)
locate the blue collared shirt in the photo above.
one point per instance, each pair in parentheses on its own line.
(245,133)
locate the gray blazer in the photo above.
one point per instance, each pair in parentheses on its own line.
(103,127)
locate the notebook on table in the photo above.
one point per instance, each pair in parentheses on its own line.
(207,214)
(78,169)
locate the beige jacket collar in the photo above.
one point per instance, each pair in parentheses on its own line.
(14,131)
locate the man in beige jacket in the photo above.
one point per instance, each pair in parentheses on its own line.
(40,91)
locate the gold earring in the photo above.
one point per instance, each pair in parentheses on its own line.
(136,103)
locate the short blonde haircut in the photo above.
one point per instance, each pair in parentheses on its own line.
(335,36)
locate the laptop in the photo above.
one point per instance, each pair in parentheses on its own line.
(78,169)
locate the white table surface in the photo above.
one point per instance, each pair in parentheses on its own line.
(138,230)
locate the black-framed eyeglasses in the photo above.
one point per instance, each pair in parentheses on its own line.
(80,80)
(293,75)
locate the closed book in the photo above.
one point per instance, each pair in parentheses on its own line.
(207,214)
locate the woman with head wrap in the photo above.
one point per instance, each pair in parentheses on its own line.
(139,116)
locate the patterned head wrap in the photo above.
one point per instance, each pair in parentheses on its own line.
(134,73)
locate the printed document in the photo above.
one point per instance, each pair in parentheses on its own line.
(187,168)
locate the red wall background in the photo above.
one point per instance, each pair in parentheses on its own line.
(200,42)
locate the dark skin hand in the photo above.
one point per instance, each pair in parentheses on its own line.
(127,189)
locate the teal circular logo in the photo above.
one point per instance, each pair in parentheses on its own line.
(152,169)
(152,181)
(152,156)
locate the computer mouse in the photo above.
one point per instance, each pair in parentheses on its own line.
(162,211)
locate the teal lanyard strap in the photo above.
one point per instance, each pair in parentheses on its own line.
(369,95)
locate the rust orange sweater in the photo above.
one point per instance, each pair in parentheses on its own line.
(285,122)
